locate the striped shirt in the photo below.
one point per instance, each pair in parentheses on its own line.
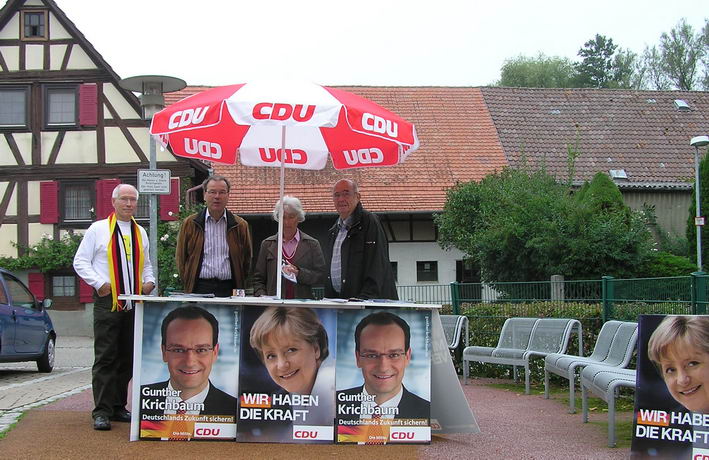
(336,263)
(215,260)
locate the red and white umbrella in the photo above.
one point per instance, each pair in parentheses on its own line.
(300,123)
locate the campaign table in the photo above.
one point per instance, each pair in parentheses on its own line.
(449,409)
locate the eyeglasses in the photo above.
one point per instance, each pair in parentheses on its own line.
(375,356)
(217,192)
(200,351)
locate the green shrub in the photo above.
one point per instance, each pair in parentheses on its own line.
(47,255)
(662,264)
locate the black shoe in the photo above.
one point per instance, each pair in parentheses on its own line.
(121,415)
(102,423)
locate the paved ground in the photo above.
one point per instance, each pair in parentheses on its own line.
(513,425)
(22,387)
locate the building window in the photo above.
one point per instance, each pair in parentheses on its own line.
(60,106)
(427,271)
(34,25)
(63,286)
(395,269)
(13,107)
(467,271)
(77,201)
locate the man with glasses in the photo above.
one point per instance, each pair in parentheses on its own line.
(113,259)
(382,352)
(213,253)
(357,250)
(190,346)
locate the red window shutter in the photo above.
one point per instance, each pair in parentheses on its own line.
(104,189)
(49,202)
(88,104)
(86,292)
(170,204)
(36,284)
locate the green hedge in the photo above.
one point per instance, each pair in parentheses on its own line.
(486,320)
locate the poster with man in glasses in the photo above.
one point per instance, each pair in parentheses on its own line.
(189,372)
(383,377)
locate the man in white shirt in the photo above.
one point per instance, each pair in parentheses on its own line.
(113,258)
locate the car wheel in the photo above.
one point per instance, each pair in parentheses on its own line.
(46,362)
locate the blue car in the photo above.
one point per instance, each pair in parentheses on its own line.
(26,331)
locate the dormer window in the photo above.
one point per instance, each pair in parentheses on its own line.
(34,25)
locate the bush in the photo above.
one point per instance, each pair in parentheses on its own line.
(661,264)
(167,245)
(47,255)
(520,225)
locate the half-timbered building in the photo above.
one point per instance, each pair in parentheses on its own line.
(68,135)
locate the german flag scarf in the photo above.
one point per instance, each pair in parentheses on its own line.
(119,253)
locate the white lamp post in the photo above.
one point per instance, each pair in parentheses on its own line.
(696,142)
(152,88)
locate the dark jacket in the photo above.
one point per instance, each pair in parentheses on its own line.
(410,406)
(366,269)
(308,258)
(190,249)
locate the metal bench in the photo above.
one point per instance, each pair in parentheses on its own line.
(515,334)
(614,347)
(547,335)
(604,382)
(453,327)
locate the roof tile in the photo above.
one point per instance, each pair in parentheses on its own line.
(458,144)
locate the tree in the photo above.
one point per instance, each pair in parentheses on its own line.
(705,61)
(596,68)
(681,59)
(540,72)
(524,226)
(656,77)
(628,70)
(605,237)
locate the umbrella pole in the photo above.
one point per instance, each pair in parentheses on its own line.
(279,262)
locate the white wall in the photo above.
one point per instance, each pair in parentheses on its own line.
(407,254)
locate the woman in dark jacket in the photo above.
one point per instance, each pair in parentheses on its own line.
(302,257)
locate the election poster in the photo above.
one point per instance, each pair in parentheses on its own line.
(189,371)
(383,376)
(672,388)
(287,375)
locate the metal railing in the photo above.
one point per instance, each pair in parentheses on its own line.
(618,298)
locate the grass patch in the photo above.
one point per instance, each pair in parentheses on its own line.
(4,433)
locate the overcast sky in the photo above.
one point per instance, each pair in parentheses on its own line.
(359,42)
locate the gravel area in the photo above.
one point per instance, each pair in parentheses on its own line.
(512,425)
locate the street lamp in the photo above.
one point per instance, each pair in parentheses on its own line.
(696,142)
(152,88)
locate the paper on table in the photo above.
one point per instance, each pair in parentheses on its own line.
(289,276)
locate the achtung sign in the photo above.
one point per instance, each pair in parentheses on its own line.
(156,181)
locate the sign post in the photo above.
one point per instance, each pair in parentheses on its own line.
(151,89)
